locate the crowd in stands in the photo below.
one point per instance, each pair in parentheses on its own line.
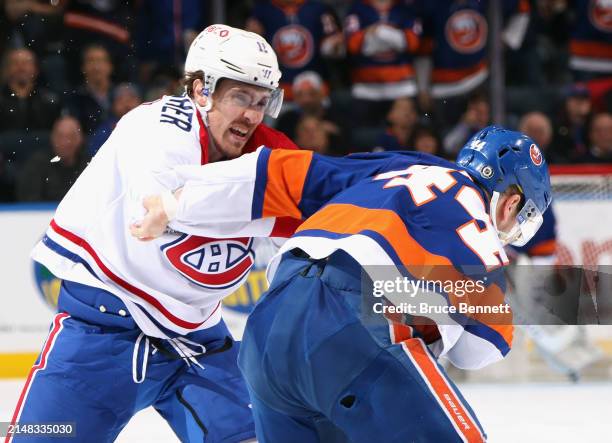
(357,75)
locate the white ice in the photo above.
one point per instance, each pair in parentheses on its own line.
(510,413)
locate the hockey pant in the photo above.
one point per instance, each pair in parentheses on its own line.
(309,358)
(97,370)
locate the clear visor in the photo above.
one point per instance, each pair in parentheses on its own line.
(269,103)
(275,103)
(528,221)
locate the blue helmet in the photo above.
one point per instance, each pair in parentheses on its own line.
(497,158)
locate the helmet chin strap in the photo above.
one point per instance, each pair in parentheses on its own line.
(208,87)
(493,209)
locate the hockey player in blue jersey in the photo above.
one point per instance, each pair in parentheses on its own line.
(315,350)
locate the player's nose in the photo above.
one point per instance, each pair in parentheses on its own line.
(253,116)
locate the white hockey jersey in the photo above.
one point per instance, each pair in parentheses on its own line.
(172,285)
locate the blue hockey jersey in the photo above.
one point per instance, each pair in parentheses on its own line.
(296,32)
(591,38)
(412,212)
(386,65)
(455,34)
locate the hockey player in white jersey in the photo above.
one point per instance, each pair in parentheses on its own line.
(139,324)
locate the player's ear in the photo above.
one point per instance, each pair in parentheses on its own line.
(511,207)
(514,202)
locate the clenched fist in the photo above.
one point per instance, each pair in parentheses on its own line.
(160,210)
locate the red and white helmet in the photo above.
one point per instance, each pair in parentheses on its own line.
(225,52)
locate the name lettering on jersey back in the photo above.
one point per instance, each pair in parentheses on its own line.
(178,111)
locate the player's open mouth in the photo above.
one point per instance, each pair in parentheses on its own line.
(239,132)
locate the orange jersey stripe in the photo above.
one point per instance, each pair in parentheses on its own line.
(544,248)
(412,40)
(422,264)
(401,332)
(398,331)
(426,46)
(286,171)
(457,413)
(440,75)
(354,42)
(382,74)
(591,49)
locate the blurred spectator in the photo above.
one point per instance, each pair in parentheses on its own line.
(166,80)
(310,99)
(455,37)
(538,126)
(527,53)
(476,117)
(92,100)
(38,25)
(48,174)
(23,106)
(164,32)
(301,32)
(402,119)
(424,139)
(600,137)
(591,39)
(125,98)
(571,128)
(382,36)
(551,20)
(310,134)
(100,22)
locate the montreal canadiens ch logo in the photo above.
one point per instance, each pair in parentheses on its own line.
(466,31)
(211,263)
(600,13)
(536,155)
(293,45)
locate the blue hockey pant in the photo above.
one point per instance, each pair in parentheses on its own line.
(310,357)
(96,370)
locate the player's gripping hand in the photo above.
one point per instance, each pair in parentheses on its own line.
(160,209)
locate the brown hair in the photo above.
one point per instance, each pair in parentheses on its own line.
(189,78)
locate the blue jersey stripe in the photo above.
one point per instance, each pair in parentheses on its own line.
(260,184)
(59,249)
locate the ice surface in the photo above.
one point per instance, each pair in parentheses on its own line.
(510,413)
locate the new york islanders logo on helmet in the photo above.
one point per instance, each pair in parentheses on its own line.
(466,31)
(209,262)
(600,14)
(535,154)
